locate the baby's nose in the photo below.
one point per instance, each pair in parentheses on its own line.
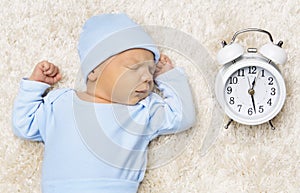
(147,76)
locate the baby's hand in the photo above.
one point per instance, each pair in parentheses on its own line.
(46,72)
(164,65)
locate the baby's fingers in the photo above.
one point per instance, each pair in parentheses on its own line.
(53,71)
(51,74)
(165,59)
(52,80)
(49,69)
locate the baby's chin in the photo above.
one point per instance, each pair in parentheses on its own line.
(132,100)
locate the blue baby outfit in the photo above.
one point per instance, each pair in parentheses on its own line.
(94,147)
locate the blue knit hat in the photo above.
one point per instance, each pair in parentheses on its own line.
(106,35)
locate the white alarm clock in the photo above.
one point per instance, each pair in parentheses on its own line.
(249,86)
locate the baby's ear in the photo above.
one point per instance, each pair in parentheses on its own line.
(92,76)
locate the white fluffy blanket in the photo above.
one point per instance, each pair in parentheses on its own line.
(241,159)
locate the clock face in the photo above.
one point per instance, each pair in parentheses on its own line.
(252,95)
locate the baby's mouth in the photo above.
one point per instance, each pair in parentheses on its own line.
(142,91)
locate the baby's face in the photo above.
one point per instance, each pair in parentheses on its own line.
(127,77)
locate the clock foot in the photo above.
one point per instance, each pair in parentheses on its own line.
(227,125)
(271,124)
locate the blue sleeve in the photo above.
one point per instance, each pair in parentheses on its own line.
(27,117)
(175,112)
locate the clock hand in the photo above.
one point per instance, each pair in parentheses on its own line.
(251,92)
(253,103)
(249,82)
(254,81)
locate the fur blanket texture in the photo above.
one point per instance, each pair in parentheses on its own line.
(207,157)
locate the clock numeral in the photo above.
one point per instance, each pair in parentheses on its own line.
(231,100)
(261,109)
(250,111)
(273,91)
(229,90)
(233,80)
(262,73)
(252,70)
(269,102)
(270,79)
(239,107)
(241,72)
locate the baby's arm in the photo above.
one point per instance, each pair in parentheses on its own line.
(176,111)
(29,108)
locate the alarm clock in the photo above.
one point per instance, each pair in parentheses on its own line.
(249,86)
